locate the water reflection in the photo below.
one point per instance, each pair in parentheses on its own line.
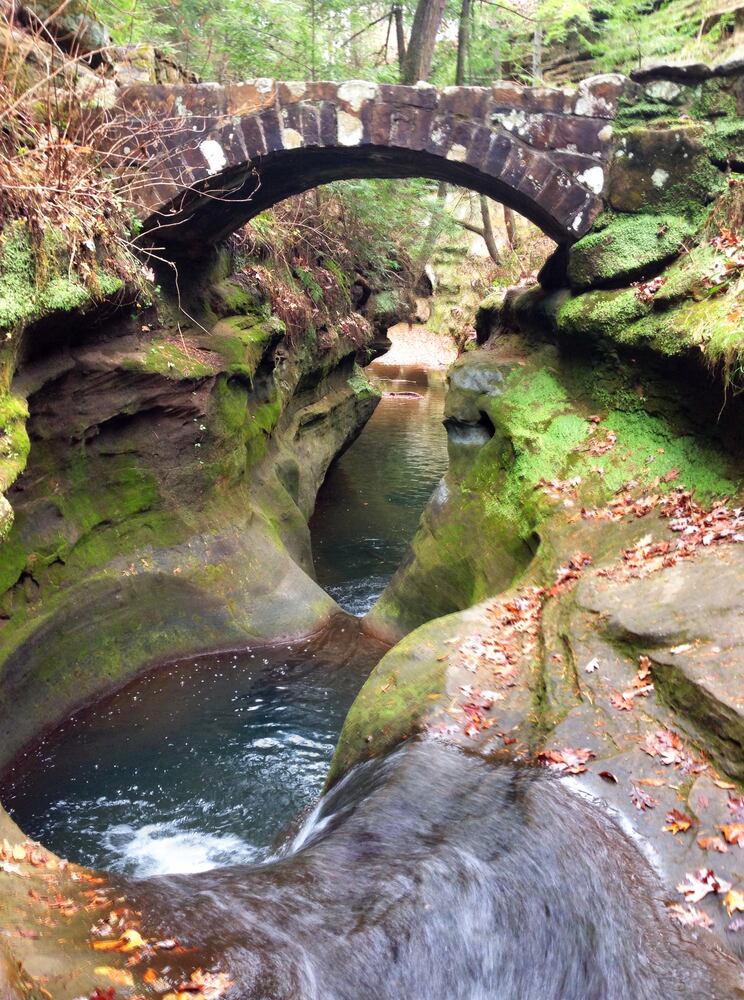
(369,506)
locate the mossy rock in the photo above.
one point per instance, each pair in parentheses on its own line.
(243,341)
(233,297)
(72,24)
(599,314)
(628,248)
(666,169)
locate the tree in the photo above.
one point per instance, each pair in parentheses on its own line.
(463,43)
(420,52)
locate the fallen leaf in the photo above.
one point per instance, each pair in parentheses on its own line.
(621,702)
(641,800)
(701,883)
(99,994)
(733,833)
(122,977)
(9,869)
(677,822)
(689,916)
(568,761)
(734,901)
(130,940)
(726,785)
(608,776)
(644,668)
(712,844)
(735,804)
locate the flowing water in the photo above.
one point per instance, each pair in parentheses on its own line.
(429,875)
(435,875)
(369,506)
(204,763)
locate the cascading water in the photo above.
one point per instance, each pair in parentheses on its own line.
(429,875)
(204,763)
(436,874)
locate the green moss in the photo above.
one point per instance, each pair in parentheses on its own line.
(234,298)
(127,488)
(172,361)
(106,542)
(361,385)
(543,440)
(243,341)
(648,447)
(395,700)
(629,247)
(710,99)
(35,281)
(241,427)
(17,271)
(14,442)
(600,313)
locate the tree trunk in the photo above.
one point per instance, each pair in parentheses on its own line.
(510,224)
(463,43)
(432,235)
(400,36)
(537,54)
(420,51)
(488,234)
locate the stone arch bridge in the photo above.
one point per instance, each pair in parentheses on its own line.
(211,156)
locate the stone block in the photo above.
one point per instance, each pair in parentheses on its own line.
(251,96)
(598,96)
(253,136)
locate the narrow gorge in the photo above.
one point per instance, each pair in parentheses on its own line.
(335,671)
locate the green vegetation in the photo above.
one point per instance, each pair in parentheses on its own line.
(626,247)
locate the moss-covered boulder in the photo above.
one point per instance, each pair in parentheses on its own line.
(663,170)
(627,248)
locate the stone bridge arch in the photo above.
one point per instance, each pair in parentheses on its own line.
(230,152)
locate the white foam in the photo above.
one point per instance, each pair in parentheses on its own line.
(164,849)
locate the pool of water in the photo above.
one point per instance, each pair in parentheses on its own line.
(368,508)
(206,762)
(197,765)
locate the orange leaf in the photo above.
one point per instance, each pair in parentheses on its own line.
(712,844)
(677,822)
(734,901)
(120,976)
(733,833)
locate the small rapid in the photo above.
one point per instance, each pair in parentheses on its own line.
(436,874)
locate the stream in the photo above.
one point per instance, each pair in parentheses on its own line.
(431,874)
(206,762)
(368,509)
